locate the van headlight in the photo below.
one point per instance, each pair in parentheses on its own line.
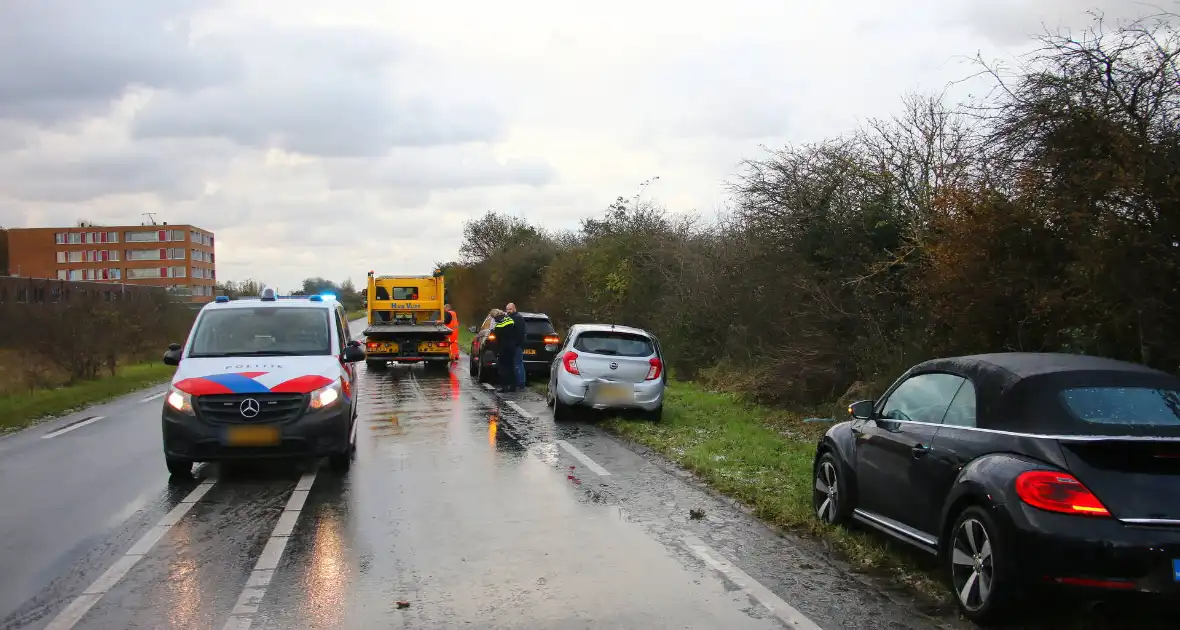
(325,396)
(180,401)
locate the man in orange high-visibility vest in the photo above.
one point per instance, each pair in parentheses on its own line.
(451,319)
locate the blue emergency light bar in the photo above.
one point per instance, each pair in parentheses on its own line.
(221,299)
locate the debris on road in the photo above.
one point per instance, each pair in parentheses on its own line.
(696,514)
(401,605)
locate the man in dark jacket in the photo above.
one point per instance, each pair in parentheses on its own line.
(521,333)
(505,329)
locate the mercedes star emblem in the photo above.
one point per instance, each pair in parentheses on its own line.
(614,366)
(249,408)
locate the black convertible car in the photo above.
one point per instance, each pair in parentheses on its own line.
(1017,470)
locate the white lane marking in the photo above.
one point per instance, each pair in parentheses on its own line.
(73,613)
(251,598)
(131,509)
(78,425)
(488,386)
(580,456)
(518,409)
(153,397)
(773,603)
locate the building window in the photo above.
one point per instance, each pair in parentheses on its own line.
(62,274)
(116,273)
(144,254)
(177,272)
(59,238)
(176,235)
(75,238)
(75,274)
(75,257)
(112,237)
(61,257)
(134,274)
(176,253)
(142,237)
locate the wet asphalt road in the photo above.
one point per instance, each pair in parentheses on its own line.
(472,508)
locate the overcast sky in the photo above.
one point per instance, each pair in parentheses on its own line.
(329,138)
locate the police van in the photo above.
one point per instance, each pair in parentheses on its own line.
(273,376)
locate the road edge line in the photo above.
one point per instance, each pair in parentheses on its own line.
(249,601)
(580,456)
(71,427)
(81,604)
(783,611)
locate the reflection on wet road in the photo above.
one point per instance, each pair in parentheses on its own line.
(461,510)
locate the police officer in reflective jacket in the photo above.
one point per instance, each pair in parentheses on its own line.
(506,343)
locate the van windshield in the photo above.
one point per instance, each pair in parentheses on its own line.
(263,331)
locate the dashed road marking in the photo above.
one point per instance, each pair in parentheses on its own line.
(67,429)
(518,409)
(153,397)
(580,456)
(73,613)
(773,603)
(251,598)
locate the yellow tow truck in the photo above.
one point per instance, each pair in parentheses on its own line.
(405,322)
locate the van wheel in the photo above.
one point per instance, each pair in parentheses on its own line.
(182,468)
(471,366)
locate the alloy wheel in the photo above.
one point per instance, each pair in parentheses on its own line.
(826,497)
(972,568)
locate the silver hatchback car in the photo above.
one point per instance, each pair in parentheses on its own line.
(604,366)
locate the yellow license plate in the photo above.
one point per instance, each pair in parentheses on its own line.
(262,435)
(383,348)
(530,351)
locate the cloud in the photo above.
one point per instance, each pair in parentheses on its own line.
(325,139)
(68,59)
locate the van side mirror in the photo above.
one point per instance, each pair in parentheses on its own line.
(354,354)
(861,409)
(172,356)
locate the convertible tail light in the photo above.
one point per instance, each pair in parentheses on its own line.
(657,368)
(1058,492)
(569,361)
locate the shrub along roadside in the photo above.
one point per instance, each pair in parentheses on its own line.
(18,411)
(762,457)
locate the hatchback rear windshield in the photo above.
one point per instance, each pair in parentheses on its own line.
(1136,406)
(538,327)
(614,343)
(264,331)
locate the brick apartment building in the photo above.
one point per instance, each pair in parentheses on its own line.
(179,257)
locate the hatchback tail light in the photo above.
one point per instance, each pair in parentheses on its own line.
(569,361)
(552,339)
(657,368)
(1058,492)
(491,336)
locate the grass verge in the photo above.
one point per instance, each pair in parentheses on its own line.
(18,411)
(762,457)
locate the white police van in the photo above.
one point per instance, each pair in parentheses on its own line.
(273,376)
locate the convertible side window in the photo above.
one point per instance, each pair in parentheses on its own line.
(922,398)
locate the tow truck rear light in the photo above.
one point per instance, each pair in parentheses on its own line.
(372,345)
(569,361)
(443,344)
(657,368)
(1058,492)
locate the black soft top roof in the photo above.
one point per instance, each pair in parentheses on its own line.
(1019,391)
(532,315)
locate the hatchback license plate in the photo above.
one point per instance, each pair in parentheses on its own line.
(260,435)
(615,393)
(530,351)
(1176,570)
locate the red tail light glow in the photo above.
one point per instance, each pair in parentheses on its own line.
(552,339)
(657,368)
(372,345)
(569,361)
(1058,492)
(491,336)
